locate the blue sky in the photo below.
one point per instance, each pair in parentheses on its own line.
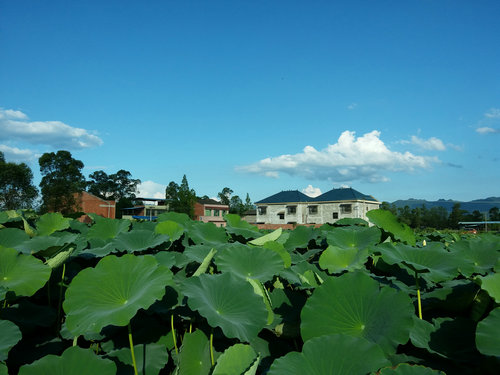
(397,99)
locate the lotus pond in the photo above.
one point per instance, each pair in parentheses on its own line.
(182,297)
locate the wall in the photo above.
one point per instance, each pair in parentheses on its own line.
(89,203)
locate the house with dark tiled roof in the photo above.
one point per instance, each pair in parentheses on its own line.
(294,207)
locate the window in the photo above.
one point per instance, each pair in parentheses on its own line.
(281,216)
(346,208)
(262,210)
(313,210)
(216,213)
(335,215)
(291,209)
(208,212)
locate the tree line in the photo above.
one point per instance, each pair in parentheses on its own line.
(438,217)
(62,180)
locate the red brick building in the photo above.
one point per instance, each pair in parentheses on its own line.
(90,204)
(210,211)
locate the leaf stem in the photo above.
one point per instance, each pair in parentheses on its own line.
(173,333)
(212,347)
(132,348)
(59,305)
(418,296)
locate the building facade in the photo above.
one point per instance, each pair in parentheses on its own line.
(210,211)
(294,207)
(89,203)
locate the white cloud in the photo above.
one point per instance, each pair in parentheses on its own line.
(311,191)
(17,155)
(14,125)
(151,189)
(487,130)
(432,143)
(364,158)
(351,106)
(493,113)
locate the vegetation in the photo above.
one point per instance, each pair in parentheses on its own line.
(61,180)
(180,198)
(183,297)
(236,205)
(16,185)
(438,217)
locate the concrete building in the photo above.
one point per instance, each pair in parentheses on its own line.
(210,211)
(149,209)
(294,207)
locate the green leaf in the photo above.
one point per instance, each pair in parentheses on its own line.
(12,237)
(236,360)
(228,302)
(332,355)
(356,305)
(170,228)
(150,357)
(22,274)
(10,335)
(476,255)
(74,361)
(491,284)
(337,259)
(205,263)
(139,240)
(206,233)
(3,369)
(389,223)
(439,263)
(488,334)
(105,228)
(353,237)
(273,236)
(235,225)
(113,291)
(249,262)
(194,356)
(407,369)
(299,238)
(50,223)
(280,249)
(179,218)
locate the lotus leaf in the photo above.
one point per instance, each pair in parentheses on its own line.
(273,236)
(12,237)
(179,218)
(206,233)
(249,262)
(107,228)
(113,291)
(50,223)
(488,334)
(280,249)
(100,247)
(74,361)
(476,255)
(453,338)
(166,258)
(235,225)
(228,302)
(194,357)
(439,263)
(139,240)
(150,358)
(491,284)
(389,223)
(353,237)
(197,253)
(299,238)
(47,246)
(3,369)
(356,305)
(407,369)
(22,274)
(333,355)
(170,228)
(10,334)
(338,259)
(236,360)
(347,221)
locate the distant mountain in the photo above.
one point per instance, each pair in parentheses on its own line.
(481,205)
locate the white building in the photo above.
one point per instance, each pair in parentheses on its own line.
(294,207)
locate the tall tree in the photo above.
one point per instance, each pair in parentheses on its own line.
(16,187)
(180,198)
(494,214)
(456,216)
(225,196)
(62,178)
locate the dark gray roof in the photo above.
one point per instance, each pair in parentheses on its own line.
(293,196)
(288,196)
(343,194)
(209,201)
